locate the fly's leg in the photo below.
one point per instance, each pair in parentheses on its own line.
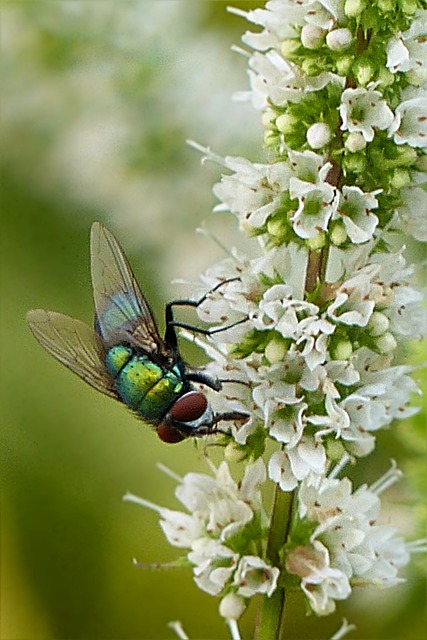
(230,415)
(170,333)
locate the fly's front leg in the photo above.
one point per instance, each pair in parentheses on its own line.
(170,333)
(231,415)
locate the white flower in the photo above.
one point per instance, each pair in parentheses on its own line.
(253,576)
(410,122)
(253,191)
(354,209)
(347,546)
(316,206)
(407,52)
(352,304)
(288,467)
(413,213)
(321,583)
(364,110)
(214,565)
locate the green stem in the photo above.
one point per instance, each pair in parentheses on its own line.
(272,609)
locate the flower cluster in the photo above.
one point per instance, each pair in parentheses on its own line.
(344,545)
(308,320)
(222,529)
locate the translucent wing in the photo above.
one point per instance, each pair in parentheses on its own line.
(121,309)
(74,344)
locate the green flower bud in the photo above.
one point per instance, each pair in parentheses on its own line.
(318,242)
(268,118)
(363,72)
(286,123)
(276,228)
(343,65)
(234,453)
(385,6)
(354,163)
(275,350)
(401,178)
(342,349)
(386,343)
(409,7)
(310,67)
(270,138)
(406,156)
(288,47)
(335,450)
(338,235)
(353,8)
(378,324)
(385,77)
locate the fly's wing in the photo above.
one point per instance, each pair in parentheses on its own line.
(121,309)
(74,344)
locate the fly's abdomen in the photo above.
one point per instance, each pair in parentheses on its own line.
(143,385)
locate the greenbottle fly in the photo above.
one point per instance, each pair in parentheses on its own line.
(124,357)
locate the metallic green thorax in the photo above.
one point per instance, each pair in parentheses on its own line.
(143,385)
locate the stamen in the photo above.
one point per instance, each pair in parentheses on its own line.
(130,497)
(234,630)
(177,627)
(387,480)
(169,472)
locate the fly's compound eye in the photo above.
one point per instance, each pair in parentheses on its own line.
(190,415)
(168,433)
(189,407)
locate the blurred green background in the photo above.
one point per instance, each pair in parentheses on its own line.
(98,100)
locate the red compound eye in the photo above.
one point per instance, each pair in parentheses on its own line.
(189,407)
(169,434)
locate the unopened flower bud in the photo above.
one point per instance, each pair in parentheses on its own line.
(342,350)
(311,36)
(339,39)
(317,242)
(355,142)
(401,178)
(268,118)
(318,135)
(234,453)
(310,67)
(275,228)
(353,8)
(231,607)
(417,77)
(288,47)
(378,324)
(338,235)
(286,123)
(364,73)
(275,350)
(386,343)
(270,138)
(344,64)
(409,7)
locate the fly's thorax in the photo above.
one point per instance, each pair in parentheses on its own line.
(142,384)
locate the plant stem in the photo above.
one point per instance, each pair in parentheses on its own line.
(272,611)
